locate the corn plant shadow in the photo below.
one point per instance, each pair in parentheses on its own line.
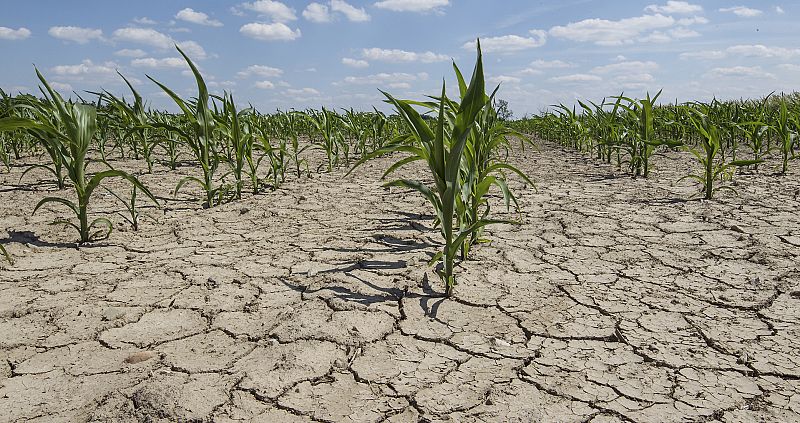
(392,244)
(368,265)
(27,237)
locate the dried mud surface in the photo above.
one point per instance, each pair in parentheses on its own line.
(616,301)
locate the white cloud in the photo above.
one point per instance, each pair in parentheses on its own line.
(303,92)
(385,78)
(703,55)
(192,49)
(354,63)
(86,67)
(681,33)
(509,43)
(352,13)
(760,50)
(146,36)
(676,7)
(260,70)
(277,11)
(144,21)
(550,64)
(127,52)
(316,12)
(75,34)
(740,72)
(742,11)
(743,50)
(14,34)
(779,10)
(402,56)
(789,67)
(190,15)
(270,32)
(264,85)
(692,21)
(609,33)
(400,85)
(411,5)
(577,77)
(163,63)
(61,86)
(631,67)
(503,79)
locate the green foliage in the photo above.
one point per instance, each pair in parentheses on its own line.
(69,129)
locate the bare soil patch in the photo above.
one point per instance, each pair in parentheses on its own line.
(615,301)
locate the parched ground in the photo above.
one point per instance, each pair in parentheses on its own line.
(616,301)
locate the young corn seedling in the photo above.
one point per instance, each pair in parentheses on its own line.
(136,122)
(442,148)
(133,214)
(710,141)
(74,128)
(785,128)
(198,135)
(290,120)
(236,131)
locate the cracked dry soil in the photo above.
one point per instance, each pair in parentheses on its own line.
(616,301)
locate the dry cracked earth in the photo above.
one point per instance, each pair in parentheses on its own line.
(615,301)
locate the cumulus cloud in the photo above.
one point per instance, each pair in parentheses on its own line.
(87,71)
(740,72)
(270,32)
(316,12)
(402,56)
(275,10)
(260,70)
(190,15)
(675,7)
(14,34)
(145,36)
(503,79)
(144,21)
(264,85)
(742,11)
(744,50)
(354,63)
(607,32)
(353,14)
(385,78)
(75,34)
(576,77)
(127,52)
(760,50)
(411,5)
(163,63)
(61,86)
(510,43)
(631,67)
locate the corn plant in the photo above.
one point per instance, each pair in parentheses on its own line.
(290,130)
(198,135)
(711,143)
(133,215)
(135,120)
(325,125)
(236,132)
(73,129)
(443,149)
(785,129)
(641,141)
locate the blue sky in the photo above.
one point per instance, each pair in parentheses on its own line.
(297,54)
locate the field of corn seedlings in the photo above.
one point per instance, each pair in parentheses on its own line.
(620,261)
